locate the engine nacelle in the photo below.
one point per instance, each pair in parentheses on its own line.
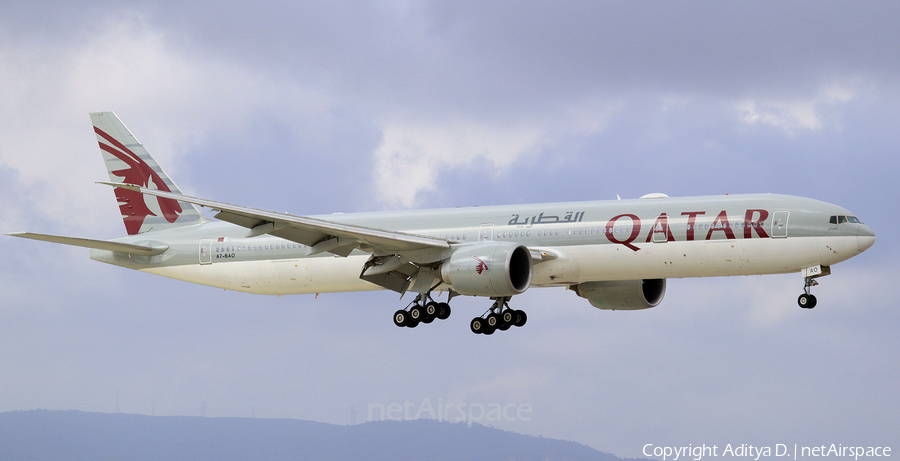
(489,269)
(623,294)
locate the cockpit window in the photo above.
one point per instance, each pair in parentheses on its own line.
(844,219)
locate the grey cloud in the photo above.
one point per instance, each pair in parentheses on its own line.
(481,57)
(474,53)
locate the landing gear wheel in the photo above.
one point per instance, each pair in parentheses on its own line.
(429,312)
(806,301)
(521,318)
(507,319)
(443,311)
(493,321)
(401,318)
(477,325)
(416,315)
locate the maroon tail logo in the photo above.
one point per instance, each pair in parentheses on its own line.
(133,208)
(482,266)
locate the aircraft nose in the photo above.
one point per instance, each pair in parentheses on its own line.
(865,237)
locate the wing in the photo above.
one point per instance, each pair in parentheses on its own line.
(319,234)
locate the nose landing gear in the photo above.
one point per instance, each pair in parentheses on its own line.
(807,300)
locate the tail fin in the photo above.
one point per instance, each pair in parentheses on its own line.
(128,162)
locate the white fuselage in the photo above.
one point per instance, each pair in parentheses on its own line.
(294,274)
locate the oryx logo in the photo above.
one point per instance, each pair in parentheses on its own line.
(482,266)
(132,205)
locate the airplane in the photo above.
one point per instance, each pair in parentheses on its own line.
(616,254)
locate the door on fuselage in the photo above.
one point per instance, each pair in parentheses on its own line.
(780,224)
(486,233)
(206,251)
(660,233)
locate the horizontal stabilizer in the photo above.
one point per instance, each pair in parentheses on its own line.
(97,244)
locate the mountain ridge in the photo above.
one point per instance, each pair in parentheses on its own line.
(37,435)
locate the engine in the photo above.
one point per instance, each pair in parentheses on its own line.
(623,294)
(489,269)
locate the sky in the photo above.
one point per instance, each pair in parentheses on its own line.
(321,107)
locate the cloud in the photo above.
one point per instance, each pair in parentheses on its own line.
(413,155)
(795,115)
(173,100)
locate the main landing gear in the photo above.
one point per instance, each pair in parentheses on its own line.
(499,317)
(422,310)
